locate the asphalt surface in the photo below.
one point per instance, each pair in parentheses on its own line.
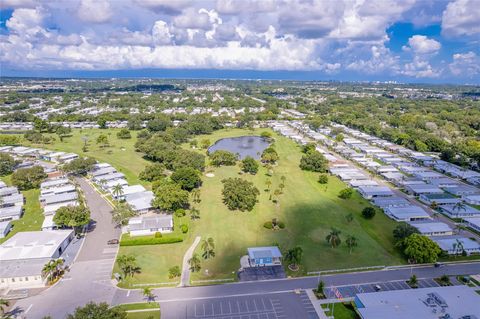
(90,276)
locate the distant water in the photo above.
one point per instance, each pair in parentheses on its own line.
(244,146)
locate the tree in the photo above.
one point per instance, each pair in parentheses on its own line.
(159,123)
(223,158)
(194,263)
(434,205)
(309,147)
(323,179)
(445,280)
(148,293)
(459,206)
(174,272)
(314,161)
(128,265)
(153,172)
(413,281)
(7,164)
(187,177)
(194,213)
(63,131)
(239,194)
(266,134)
(98,311)
(402,231)
(351,242)
(320,288)
(79,166)
(186,158)
(52,269)
(102,123)
(124,134)
(72,216)
(170,197)
(208,247)
(3,304)
(28,178)
(458,247)
(339,137)
(102,140)
(134,123)
(294,256)
(346,193)
(268,182)
(421,249)
(368,212)
(249,165)
(269,155)
(117,190)
(333,238)
(122,213)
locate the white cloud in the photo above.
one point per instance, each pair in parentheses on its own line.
(193,19)
(461,17)
(166,6)
(421,44)
(245,6)
(420,68)
(161,33)
(380,60)
(465,64)
(18,3)
(96,11)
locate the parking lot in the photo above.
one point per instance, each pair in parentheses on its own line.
(272,306)
(352,290)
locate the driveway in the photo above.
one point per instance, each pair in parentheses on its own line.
(90,276)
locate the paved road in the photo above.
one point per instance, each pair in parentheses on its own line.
(90,276)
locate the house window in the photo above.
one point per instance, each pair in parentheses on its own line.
(26,278)
(13,279)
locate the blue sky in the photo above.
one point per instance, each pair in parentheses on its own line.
(409,40)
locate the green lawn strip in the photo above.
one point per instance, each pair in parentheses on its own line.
(153,313)
(120,154)
(138,306)
(308,209)
(32,218)
(341,311)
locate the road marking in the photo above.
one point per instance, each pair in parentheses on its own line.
(128,293)
(67,279)
(28,309)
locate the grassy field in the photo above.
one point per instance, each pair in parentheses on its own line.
(120,154)
(32,218)
(308,209)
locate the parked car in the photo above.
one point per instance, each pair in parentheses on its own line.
(377,288)
(113,242)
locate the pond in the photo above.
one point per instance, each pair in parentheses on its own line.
(244,146)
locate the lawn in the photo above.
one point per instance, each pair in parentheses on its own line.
(308,209)
(32,218)
(120,154)
(341,311)
(146,314)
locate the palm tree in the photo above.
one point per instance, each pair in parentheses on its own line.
(277,193)
(268,182)
(196,195)
(194,263)
(117,190)
(320,288)
(334,237)
(460,206)
(351,242)
(128,265)
(294,256)
(208,247)
(148,293)
(281,186)
(102,182)
(52,269)
(413,281)
(434,205)
(457,247)
(283,179)
(3,304)
(194,213)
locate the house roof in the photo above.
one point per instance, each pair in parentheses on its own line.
(446,243)
(375,190)
(431,227)
(264,252)
(60,198)
(407,212)
(140,201)
(33,244)
(141,223)
(54,182)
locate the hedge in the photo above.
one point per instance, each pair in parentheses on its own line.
(149,241)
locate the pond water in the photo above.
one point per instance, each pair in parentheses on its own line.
(243,146)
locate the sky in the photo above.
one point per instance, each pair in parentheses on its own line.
(429,41)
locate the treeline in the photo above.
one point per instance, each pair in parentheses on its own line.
(451,128)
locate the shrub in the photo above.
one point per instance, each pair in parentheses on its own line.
(346,193)
(184,228)
(124,134)
(268,225)
(323,179)
(180,212)
(368,212)
(281,225)
(158,234)
(140,241)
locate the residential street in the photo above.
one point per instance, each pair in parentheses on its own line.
(90,276)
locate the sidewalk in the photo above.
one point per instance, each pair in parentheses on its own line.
(317,304)
(185,278)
